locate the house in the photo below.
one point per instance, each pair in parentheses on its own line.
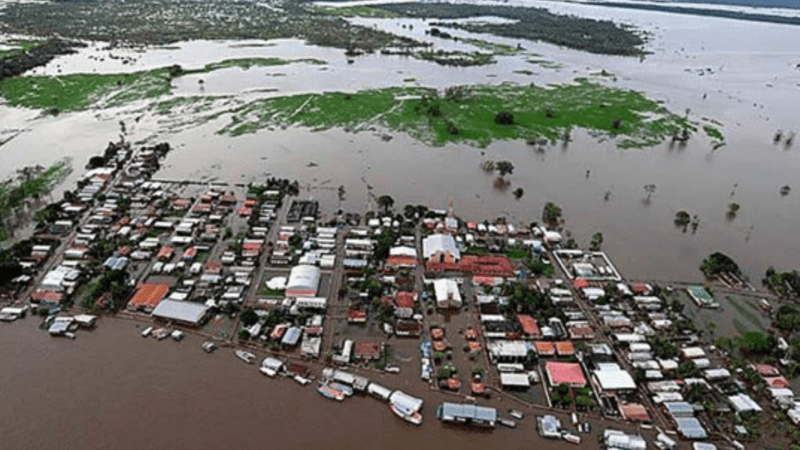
(565,373)
(441,248)
(367,351)
(610,378)
(148,296)
(528,325)
(402,257)
(447,294)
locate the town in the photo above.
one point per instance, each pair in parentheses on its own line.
(488,312)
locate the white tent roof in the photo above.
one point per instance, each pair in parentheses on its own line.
(514,379)
(304,277)
(743,402)
(439,242)
(611,377)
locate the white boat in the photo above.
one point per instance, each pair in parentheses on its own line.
(267,371)
(329,392)
(516,414)
(146,332)
(507,422)
(69,335)
(209,346)
(406,414)
(571,438)
(245,356)
(302,380)
(5,317)
(177,335)
(161,333)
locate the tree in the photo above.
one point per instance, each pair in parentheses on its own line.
(757,342)
(518,193)
(249,317)
(504,118)
(733,208)
(551,213)
(504,168)
(597,241)
(717,263)
(682,219)
(386,202)
(244,335)
(650,189)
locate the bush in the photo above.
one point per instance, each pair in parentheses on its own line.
(504,118)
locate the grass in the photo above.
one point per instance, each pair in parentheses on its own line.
(33,184)
(77,92)
(17,46)
(477,250)
(713,132)
(516,252)
(538,112)
(494,47)
(455,58)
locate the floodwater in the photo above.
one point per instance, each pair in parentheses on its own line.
(110,388)
(742,74)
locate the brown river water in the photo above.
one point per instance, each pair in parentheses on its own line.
(110,388)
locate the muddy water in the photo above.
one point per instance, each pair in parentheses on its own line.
(112,389)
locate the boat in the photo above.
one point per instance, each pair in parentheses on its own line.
(405,413)
(329,392)
(516,414)
(161,333)
(209,346)
(302,380)
(69,335)
(765,305)
(146,332)
(6,317)
(571,438)
(177,335)
(267,371)
(245,356)
(507,422)
(343,388)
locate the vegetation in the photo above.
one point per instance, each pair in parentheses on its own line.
(718,263)
(536,24)
(169,21)
(504,168)
(787,318)
(733,208)
(713,132)
(551,213)
(518,193)
(31,183)
(76,92)
(682,219)
(469,117)
(757,343)
(785,284)
(597,241)
(539,267)
(353,11)
(112,283)
(248,317)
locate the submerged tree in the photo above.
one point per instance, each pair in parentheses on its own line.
(504,168)
(682,219)
(385,202)
(551,213)
(518,193)
(650,189)
(597,241)
(733,208)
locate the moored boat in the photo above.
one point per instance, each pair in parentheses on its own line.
(401,411)
(245,356)
(507,422)
(209,346)
(516,414)
(161,333)
(343,388)
(329,392)
(146,332)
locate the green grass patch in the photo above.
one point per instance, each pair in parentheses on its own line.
(545,63)
(494,47)
(516,252)
(17,46)
(455,58)
(32,182)
(538,112)
(477,250)
(77,92)
(713,132)
(354,11)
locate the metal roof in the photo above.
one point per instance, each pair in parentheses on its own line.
(472,412)
(691,428)
(292,336)
(180,310)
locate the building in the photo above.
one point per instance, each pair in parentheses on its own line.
(148,296)
(402,257)
(367,351)
(610,378)
(565,373)
(619,440)
(303,281)
(441,248)
(186,313)
(467,414)
(447,294)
